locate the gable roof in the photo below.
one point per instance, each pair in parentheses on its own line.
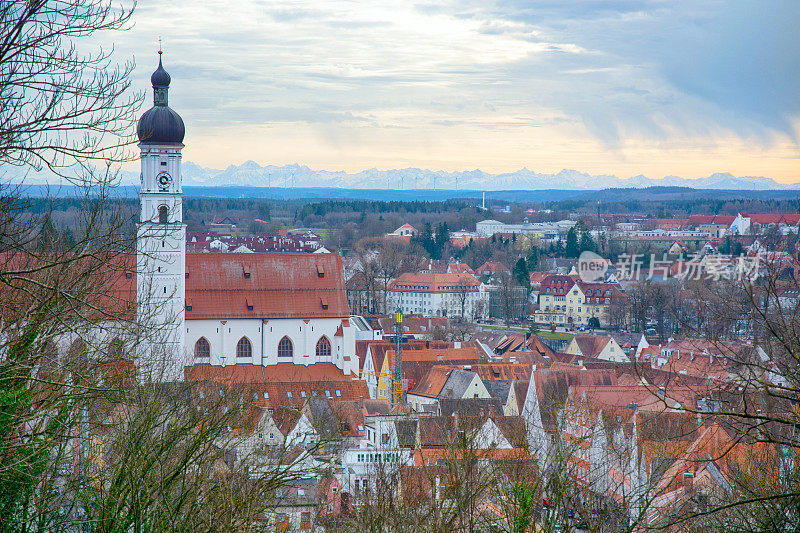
(271,285)
(444,382)
(591,345)
(498,388)
(430,282)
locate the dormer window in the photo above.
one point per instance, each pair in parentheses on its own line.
(246,274)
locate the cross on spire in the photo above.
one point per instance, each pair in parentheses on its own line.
(160,51)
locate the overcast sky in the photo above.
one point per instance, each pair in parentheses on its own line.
(619,87)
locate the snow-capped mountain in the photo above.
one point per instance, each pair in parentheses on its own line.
(252,174)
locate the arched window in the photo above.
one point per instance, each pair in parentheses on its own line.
(162,214)
(244,348)
(202,348)
(285,348)
(323,347)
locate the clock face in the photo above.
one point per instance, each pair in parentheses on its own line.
(164,179)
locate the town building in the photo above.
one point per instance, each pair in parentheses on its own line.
(432,294)
(259,309)
(566,300)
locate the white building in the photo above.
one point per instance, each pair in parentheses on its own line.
(545,230)
(224,309)
(432,294)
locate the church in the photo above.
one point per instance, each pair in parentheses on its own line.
(223,309)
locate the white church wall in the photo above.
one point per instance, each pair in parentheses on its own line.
(224,335)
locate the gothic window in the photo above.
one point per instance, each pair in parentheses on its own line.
(162,214)
(202,348)
(285,348)
(244,348)
(323,347)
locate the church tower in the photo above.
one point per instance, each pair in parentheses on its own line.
(161,233)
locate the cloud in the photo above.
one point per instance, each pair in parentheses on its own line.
(610,77)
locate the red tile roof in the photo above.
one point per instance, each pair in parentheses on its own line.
(591,345)
(431,384)
(491,267)
(459,268)
(789,219)
(260,286)
(282,372)
(434,282)
(556,284)
(279,285)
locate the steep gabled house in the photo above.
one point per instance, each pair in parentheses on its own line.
(598,346)
(446,384)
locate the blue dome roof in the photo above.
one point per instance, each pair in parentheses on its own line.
(160,125)
(160,78)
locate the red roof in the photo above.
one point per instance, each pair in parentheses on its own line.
(434,282)
(789,219)
(244,373)
(721,220)
(261,286)
(556,284)
(492,267)
(270,285)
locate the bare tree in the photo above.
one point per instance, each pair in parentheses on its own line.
(61,105)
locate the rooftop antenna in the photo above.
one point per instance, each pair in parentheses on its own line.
(483,205)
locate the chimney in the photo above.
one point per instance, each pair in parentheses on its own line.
(360,402)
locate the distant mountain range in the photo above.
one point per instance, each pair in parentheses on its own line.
(251,174)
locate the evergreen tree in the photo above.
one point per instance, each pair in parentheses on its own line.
(533,259)
(572,249)
(587,243)
(521,273)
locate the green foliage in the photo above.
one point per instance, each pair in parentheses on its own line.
(587,243)
(521,273)
(524,500)
(572,248)
(533,260)
(375,206)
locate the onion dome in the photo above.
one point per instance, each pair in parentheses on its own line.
(160,78)
(160,124)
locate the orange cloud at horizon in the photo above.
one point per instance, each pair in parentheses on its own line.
(352,148)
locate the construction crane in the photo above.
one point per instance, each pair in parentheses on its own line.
(398,397)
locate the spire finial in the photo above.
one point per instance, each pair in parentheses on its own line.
(160,51)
